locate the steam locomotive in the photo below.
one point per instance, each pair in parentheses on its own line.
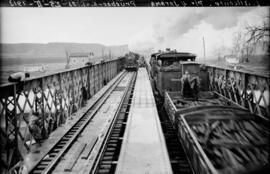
(131,64)
(166,69)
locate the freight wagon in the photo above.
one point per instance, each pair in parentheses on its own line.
(223,140)
(218,136)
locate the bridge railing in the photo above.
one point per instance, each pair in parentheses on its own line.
(52,98)
(248,90)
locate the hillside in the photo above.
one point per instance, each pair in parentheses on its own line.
(57,50)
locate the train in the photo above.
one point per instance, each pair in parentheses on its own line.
(217,135)
(133,61)
(166,70)
(141,62)
(131,64)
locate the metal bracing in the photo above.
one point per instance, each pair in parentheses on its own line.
(52,97)
(250,91)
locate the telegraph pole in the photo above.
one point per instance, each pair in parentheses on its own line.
(110,54)
(204,50)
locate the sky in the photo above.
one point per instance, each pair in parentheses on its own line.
(141,28)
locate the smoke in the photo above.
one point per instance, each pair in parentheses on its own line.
(184,28)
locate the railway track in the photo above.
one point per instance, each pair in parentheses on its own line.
(178,158)
(111,148)
(177,155)
(48,163)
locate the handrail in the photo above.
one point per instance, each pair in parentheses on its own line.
(58,72)
(237,70)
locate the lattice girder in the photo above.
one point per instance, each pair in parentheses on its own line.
(248,90)
(53,96)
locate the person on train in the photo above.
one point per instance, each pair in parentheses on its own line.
(195,85)
(190,86)
(186,90)
(19,76)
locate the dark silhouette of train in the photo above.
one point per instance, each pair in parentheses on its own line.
(133,61)
(131,64)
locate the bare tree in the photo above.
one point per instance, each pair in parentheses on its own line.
(260,33)
(245,42)
(239,44)
(247,50)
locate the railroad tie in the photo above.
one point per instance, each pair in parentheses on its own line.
(74,158)
(86,152)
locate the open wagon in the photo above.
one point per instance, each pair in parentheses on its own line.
(223,139)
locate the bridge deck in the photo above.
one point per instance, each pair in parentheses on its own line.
(98,127)
(38,152)
(143,149)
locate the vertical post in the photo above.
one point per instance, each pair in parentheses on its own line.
(113,68)
(226,82)
(6,129)
(102,70)
(98,74)
(107,71)
(213,79)
(110,69)
(60,93)
(15,156)
(245,90)
(42,103)
(204,50)
(80,86)
(72,94)
(97,78)
(101,75)
(88,81)
(15,118)
(94,79)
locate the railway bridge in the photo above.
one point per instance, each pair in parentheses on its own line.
(103,119)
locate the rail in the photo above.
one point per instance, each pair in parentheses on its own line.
(45,165)
(105,162)
(247,89)
(54,97)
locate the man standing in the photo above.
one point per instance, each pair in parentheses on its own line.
(186,90)
(190,86)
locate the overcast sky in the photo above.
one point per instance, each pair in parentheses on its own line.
(140,28)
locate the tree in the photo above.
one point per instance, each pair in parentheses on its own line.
(237,44)
(241,48)
(246,42)
(260,33)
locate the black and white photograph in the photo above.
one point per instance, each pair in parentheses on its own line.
(134,87)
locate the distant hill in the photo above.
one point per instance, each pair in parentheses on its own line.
(57,50)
